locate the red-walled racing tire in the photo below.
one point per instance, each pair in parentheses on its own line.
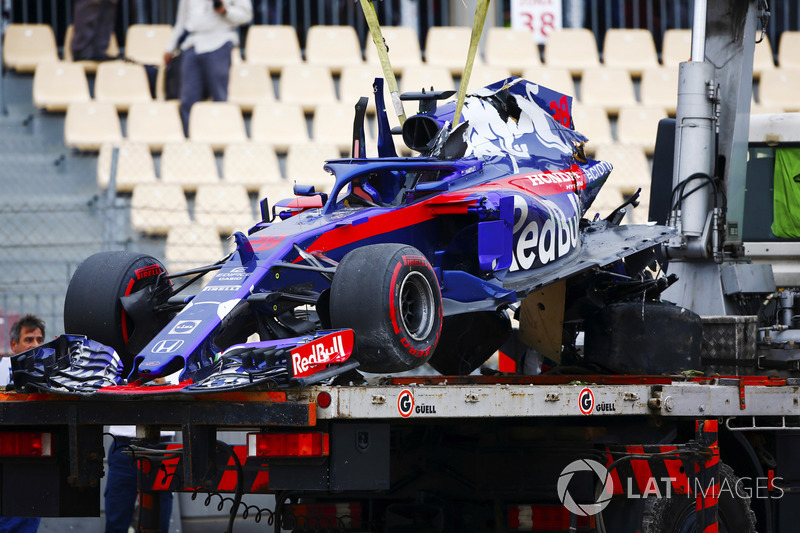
(389,295)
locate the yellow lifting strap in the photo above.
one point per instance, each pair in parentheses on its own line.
(386,66)
(481,9)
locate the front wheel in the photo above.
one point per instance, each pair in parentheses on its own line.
(389,295)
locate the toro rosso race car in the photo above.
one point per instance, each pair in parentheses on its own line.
(407,261)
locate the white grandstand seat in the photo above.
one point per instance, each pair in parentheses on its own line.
(279,124)
(447,46)
(557,79)
(333,124)
(122,84)
(659,87)
(483,75)
(90,124)
(27,45)
(308,86)
(676,47)
(631,49)
(275,192)
(145,43)
(216,123)
(157,207)
(189,164)
(638,126)
(304,165)
(593,122)
(192,246)
(574,49)
(56,84)
(426,76)
(90,66)
(515,50)
(249,85)
(631,169)
(611,88)
(334,47)
(762,57)
(778,89)
(250,164)
(155,124)
(403,46)
(134,166)
(357,81)
(224,206)
(272,46)
(788,48)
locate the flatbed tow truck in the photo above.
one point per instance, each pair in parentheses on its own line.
(503,451)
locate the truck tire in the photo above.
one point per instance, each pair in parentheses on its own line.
(389,295)
(678,515)
(93,305)
(468,340)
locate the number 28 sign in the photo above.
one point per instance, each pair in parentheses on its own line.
(539,17)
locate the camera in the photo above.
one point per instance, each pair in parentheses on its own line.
(217,4)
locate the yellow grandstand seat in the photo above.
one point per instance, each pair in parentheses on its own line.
(333,124)
(249,85)
(334,47)
(145,43)
(593,122)
(272,46)
(216,123)
(676,47)
(134,166)
(778,89)
(90,124)
(157,207)
(557,79)
(56,84)
(631,169)
(631,49)
(762,57)
(192,246)
(788,48)
(250,164)
(224,206)
(357,81)
(308,86)
(155,124)
(403,46)
(279,124)
(447,46)
(27,45)
(611,88)
(638,126)
(512,49)
(659,87)
(574,49)
(122,84)
(189,164)
(304,165)
(426,76)
(483,75)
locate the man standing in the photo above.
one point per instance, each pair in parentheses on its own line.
(206,32)
(94,23)
(26,333)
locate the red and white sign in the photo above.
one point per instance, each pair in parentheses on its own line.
(539,17)
(316,355)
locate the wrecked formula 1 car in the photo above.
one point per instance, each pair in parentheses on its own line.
(407,261)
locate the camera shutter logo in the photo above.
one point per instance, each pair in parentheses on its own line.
(604,497)
(167,346)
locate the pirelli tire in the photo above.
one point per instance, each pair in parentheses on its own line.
(678,514)
(389,295)
(93,305)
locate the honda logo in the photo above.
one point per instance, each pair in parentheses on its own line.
(167,346)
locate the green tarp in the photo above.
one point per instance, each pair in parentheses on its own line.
(786,218)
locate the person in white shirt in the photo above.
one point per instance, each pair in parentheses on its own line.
(206,32)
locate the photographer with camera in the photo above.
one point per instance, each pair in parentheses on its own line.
(206,31)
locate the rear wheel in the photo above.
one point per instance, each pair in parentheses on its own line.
(389,295)
(94,302)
